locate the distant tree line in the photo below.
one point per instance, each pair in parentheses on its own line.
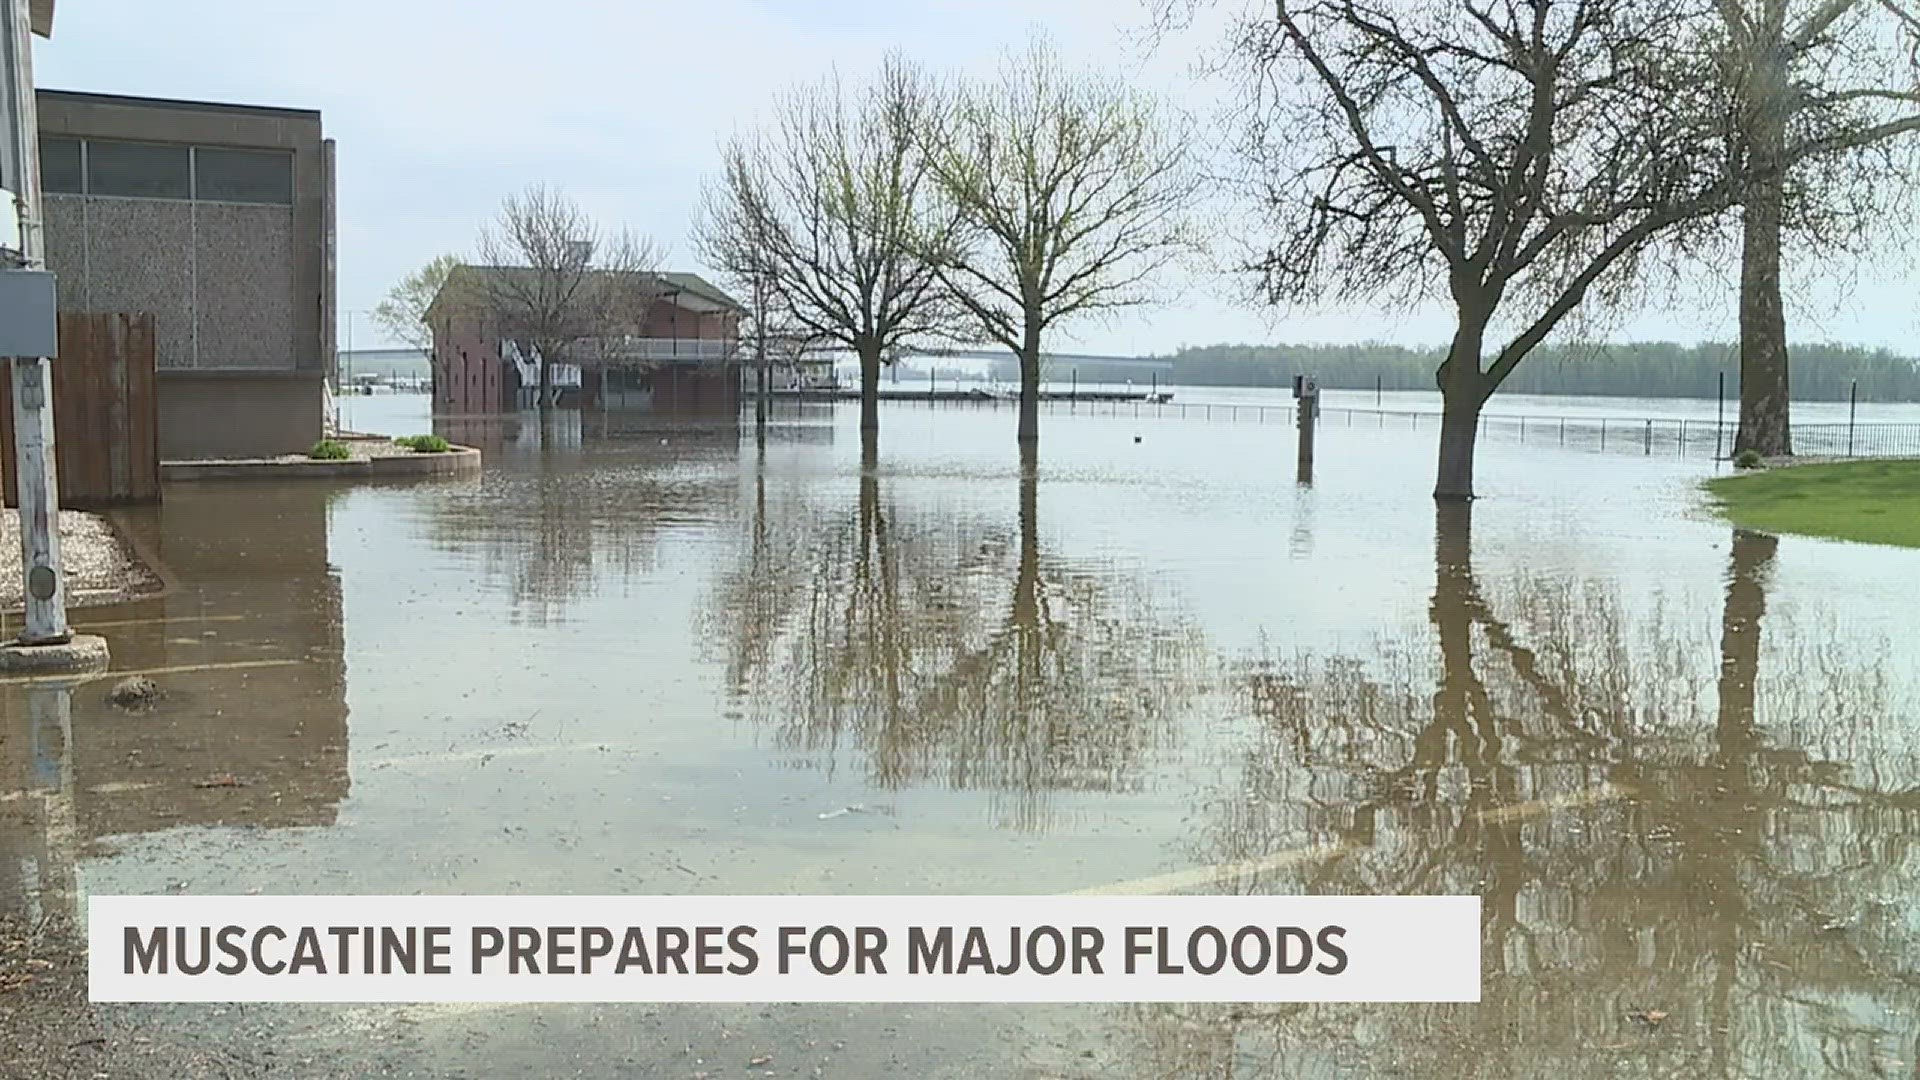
(1639,369)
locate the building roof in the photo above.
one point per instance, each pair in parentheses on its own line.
(701,287)
(89,97)
(687,290)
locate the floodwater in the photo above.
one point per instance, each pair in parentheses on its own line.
(1680,765)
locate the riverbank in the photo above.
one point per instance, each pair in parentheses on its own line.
(1872,502)
(101,567)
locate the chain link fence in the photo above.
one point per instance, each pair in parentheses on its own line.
(1609,434)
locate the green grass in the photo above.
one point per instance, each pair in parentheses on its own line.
(424,444)
(1873,502)
(329,450)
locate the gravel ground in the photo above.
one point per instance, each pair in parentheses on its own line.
(49,1031)
(101,568)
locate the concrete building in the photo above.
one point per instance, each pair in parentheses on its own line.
(219,220)
(678,349)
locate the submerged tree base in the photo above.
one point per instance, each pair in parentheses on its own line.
(1872,502)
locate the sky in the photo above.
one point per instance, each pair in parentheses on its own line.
(442,107)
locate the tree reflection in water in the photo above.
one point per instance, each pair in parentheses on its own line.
(1741,908)
(954,653)
(559,525)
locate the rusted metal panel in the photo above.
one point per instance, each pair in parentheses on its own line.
(106,413)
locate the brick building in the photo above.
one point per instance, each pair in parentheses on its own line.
(679,350)
(219,220)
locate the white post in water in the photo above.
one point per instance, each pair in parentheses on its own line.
(1307,389)
(39,489)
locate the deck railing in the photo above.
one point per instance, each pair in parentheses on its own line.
(668,350)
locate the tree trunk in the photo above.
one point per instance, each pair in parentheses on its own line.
(871,538)
(1459,426)
(1026,588)
(1463,391)
(1719,856)
(1764,395)
(1749,570)
(763,387)
(545,397)
(869,387)
(1455,597)
(1450,610)
(762,382)
(1765,401)
(1030,385)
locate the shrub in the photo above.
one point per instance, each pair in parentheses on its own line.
(425,444)
(1747,459)
(329,450)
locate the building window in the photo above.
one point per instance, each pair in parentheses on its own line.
(246,176)
(60,166)
(140,170)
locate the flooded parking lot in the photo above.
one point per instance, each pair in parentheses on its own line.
(1679,764)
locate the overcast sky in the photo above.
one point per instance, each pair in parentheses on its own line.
(441,107)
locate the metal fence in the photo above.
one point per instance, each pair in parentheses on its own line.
(1622,435)
(1650,436)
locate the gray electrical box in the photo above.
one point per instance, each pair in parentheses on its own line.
(29,314)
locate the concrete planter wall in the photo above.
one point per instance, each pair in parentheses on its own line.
(459,461)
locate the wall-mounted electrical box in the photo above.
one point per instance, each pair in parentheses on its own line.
(29,314)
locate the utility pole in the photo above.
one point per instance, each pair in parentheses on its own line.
(46,642)
(39,484)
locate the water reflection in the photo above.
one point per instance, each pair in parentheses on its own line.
(250,728)
(1684,871)
(553,525)
(38,834)
(499,434)
(953,651)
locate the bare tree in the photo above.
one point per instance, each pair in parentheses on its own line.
(555,279)
(1071,192)
(826,212)
(404,311)
(769,330)
(1516,158)
(1822,89)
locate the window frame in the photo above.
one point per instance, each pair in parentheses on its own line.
(80,163)
(284,156)
(87,159)
(86,188)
